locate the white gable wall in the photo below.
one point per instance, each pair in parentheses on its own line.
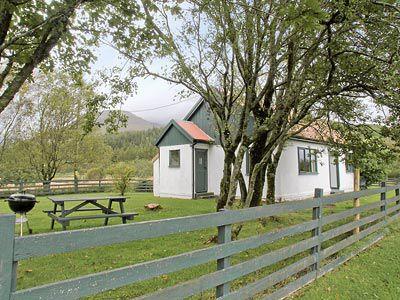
(175,182)
(156,177)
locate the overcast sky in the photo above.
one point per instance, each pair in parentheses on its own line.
(151,93)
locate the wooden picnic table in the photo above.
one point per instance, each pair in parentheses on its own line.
(107,212)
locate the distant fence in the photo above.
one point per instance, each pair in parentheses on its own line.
(329,234)
(393,181)
(64,186)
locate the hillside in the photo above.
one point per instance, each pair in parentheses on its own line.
(134,123)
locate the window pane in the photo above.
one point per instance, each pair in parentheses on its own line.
(304,160)
(307,160)
(174,158)
(313,163)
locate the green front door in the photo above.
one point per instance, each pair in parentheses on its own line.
(201,164)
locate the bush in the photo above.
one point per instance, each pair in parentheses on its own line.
(144,168)
(122,174)
(95,173)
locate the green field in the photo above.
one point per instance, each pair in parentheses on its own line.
(375,272)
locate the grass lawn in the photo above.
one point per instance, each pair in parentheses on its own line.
(38,271)
(374,274)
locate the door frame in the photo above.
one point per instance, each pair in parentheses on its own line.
(337,172)
(197,150)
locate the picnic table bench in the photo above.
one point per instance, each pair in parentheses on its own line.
(107,212)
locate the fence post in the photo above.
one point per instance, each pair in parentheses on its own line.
(383,198)
(46,186)
(8,268)
(397,191)
(317,215)
(224,236)
(76,184)
(21,186)
(356,201)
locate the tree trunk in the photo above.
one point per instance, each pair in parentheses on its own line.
(256,155)
(258,189)
(243,188)
(236,172)
(271,170)
(271,174)
(224,185)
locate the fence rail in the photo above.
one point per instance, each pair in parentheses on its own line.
(64,186)
(318,255)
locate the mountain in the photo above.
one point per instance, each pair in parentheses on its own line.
(134,123)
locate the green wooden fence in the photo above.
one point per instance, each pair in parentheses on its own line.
(68,186)
(322,249)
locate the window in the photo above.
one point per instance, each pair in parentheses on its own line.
(349,165)
(307,160)
(174,158)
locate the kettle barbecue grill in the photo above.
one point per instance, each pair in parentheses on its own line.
(21,204)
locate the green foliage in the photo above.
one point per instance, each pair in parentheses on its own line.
(49,137)
(133,138)
(136,145)
(366,149)
(394,168)
(144,168)
(45,34)
(96,173)
(122,174)
(277,61)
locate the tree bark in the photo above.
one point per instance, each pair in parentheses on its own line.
(225,182)
(50,37)
(243,188)
(256,155)
(5,20)
(258,189)
(271,170)
(271,175)
(236,172)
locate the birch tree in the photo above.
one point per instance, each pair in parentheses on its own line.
(283,63)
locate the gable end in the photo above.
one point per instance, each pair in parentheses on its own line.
(172,135)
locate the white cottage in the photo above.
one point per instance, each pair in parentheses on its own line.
(190,162)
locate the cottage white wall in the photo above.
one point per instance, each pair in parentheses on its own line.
(175,182)
(216,161)
(290,185)
(346,178)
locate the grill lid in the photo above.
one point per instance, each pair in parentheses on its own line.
(22,197)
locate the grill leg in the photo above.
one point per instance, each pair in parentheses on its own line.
(27,225)
(20,225)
